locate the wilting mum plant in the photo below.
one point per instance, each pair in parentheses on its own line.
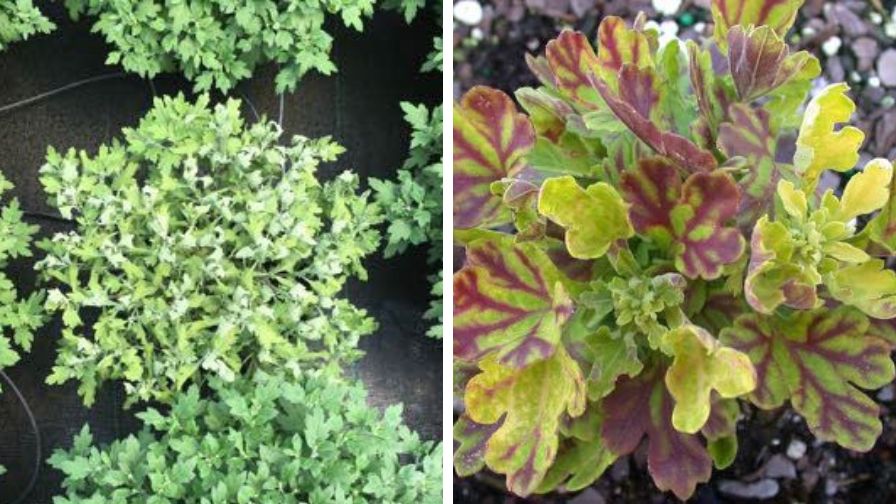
(204,246)
(649,245)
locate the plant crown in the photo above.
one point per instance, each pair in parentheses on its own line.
(202,246)
(274,438)
(667,259)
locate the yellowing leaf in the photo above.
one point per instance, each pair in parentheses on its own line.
(702,365)
(867,191)
(532,402)
(868,286)
(594,218)
(819,146)
(793,199)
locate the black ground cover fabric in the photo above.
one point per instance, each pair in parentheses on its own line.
(358,106)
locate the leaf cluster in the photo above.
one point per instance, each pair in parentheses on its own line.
(19,20)
(412,203)
(204,247)
(666,259)
(217,43)
(19,318)
(286,437)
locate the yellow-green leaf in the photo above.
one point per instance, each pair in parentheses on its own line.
(594,217)
(702,365)
(820,146)
(532,401)
(867,191)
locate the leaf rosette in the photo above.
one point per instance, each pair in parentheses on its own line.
(700,267)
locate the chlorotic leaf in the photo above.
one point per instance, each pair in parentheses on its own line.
(760,62)
(508,300)
(820,146)
(532,402)
(867,191)
(772,279)
(594,217)
(882,228)
(700,366)
(778,15)
(471,438)
(818,359)
(490,139)
(869,286)
(642,407)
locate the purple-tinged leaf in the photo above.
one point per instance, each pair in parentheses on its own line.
(630,106)
(760,62)
(749,135)
(617,46)
(778,15)
(714,94)
(641,408)
(509,300)
(490,140)
(470,443)
(532,402)
(819,360)
(690,218)
(574,68)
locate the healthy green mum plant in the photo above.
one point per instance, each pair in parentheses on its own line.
(276,438)
(203,246)
(217,43)
(20,19)
(412,203)
(19,318)
(666,258)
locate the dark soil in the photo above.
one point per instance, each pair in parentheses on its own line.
(359,107)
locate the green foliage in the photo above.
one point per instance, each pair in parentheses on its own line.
(698,268)
(18,317)
(275,438)
(205,247)
(217,43)
(19,20)
(412,203)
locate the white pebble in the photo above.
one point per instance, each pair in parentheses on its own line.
(855,76)
(831,45)
(468,12)
(667,7)
(874,81)
(669,27)
(699,27)
(476,33)
(796,449)
(890,29)
(876,18)
(808,31)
